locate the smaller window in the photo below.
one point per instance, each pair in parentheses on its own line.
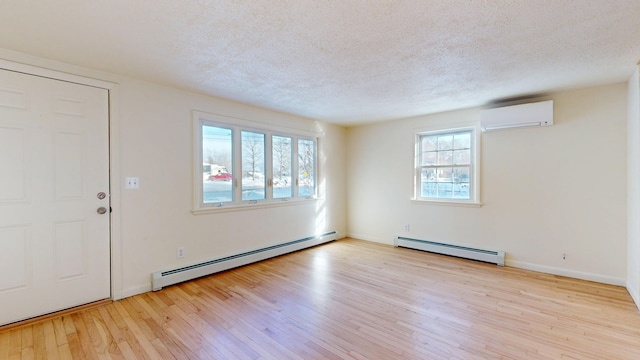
(445,165)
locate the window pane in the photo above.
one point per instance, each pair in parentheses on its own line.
(253,180)
(462,141)
(445,183)
(429,158)
(461,157)
(461,175)
(444,190)
(461,183)
(306,167)
(281,148)
(429,143)
(445,142)
(445,157)
(445,175)
(216,160)
(428,175)
(429,190)
(427,183)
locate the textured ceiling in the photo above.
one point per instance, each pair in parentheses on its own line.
(346,62)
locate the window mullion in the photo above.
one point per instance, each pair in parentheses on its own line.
(294,166)
(237,166)
(268,165)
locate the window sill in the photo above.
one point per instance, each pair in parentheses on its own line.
(447,203)
(248,206)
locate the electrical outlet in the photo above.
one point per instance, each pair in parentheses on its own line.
(406,227)
(180,252)
(564,256)
(132,183)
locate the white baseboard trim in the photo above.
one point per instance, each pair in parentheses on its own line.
(568,273)
(368,238)
(533,267)
(135,290)
(140,289)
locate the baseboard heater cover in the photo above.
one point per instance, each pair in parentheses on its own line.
(490,256)
(160,279)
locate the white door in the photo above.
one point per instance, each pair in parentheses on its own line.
(54,161)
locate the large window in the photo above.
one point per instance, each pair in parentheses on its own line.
(445,165)
(243,165)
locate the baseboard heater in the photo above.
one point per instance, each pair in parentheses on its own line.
(490,256)
(159,279)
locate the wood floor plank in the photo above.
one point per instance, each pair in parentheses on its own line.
(39,341)
(137,329)
(349,299)
(59,331)
(15,344)
(74,344)
(64,352)
(103,339)
(5,344)
(51,343)
(80,340)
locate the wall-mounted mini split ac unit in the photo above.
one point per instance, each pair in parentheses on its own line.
(516,116)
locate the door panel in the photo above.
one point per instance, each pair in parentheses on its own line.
(14,258)
(13,148)
(54,159)
(69,165)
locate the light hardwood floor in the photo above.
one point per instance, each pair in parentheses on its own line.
(349,299)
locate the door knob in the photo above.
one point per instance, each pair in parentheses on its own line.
(102,210)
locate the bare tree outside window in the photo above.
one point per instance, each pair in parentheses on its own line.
(306,167)
(281,148)
(253,180)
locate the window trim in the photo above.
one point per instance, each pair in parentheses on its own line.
(238,125)
(475,166)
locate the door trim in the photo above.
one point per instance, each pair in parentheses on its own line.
(114,156)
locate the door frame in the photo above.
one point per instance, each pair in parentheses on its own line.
(114,157)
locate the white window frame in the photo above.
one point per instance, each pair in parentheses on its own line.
(474,167)
(237,125)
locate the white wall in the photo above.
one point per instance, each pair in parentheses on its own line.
(152,140)
(156,145)
(546,191)
(633,184)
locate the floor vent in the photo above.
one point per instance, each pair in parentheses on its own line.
(159,279)
(490,256)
